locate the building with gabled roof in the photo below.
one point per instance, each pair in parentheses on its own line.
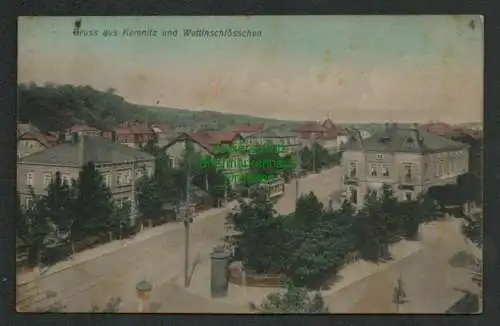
(30,140)
(409,159)
(134,133)
(118,164)
(233,164)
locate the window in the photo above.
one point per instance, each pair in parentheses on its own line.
(29,178)
(139,173)
(66,178)
(373,170)
(28,202)
(149,171)
(354,196)
(119,179)
(380,156)
(408,170)
(107,179)
(385,171)
(352,169)
(408,196)
(47,178)
(127,177)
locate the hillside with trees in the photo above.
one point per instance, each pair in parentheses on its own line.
(54,107)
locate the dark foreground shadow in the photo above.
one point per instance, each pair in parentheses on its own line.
(467,304)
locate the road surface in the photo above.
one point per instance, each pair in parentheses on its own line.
(157,259)
(432,285)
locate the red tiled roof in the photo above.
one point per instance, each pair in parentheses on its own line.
(134,128)
(52,136)
(80,128)
(210,138)
(440,128)
(35,135)
(247,127)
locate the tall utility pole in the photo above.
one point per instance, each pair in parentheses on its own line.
(187,215)
(297,171)
(313,137)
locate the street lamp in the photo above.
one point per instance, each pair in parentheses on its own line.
(187,216)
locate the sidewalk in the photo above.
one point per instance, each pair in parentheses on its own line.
(348,276)
(115,245)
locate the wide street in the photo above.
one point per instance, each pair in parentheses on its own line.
(157,259)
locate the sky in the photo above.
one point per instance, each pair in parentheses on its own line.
(348,68)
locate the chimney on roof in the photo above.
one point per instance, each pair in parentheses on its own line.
(77,139)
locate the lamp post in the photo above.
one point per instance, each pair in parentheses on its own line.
(187,216)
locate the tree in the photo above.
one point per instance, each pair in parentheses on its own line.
(316,244)
(59,203)
(259,239)
(94,204)
(399,294)
(372,233)
(150,198)
(294,300)
(473,229)
(32,229)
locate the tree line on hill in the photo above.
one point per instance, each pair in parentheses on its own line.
(56,107)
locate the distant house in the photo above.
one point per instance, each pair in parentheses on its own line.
(83,130)
(335,136)
(275,136)
(165,133)
(118,164)
(408,159)
(30,140)
(326,134)
(134,134)
(440,129)
(206,143)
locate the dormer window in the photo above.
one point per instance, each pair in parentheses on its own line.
(380,156)
(410,142)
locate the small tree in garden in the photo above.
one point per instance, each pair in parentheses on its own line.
(316,244)
(294,300)
(150,198)
(399,294)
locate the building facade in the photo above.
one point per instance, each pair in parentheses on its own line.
(119,165)
(134,134)
(234,165)
(408,159)
(274,136)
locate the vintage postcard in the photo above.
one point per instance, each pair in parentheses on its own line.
(250,164)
